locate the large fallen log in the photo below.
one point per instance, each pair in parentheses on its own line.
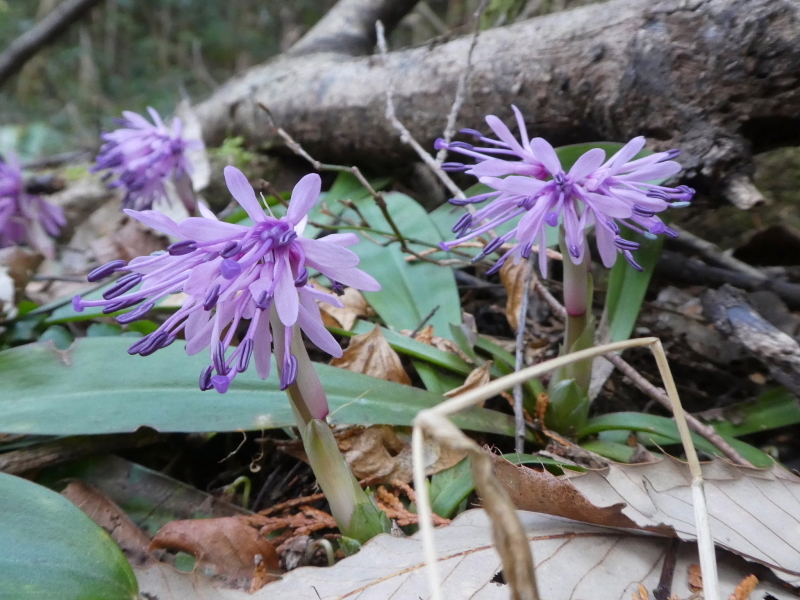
(719,79)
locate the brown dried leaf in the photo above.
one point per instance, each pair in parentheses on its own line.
(379,452)
(695,578)
(750,509)
(228,545)
(744,589)
(17,266)
(355,307)
(641,593)
(371,354)
(426,336)
(105,512)
(477,378)
(513,278)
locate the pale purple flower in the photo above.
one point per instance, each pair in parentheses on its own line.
(26,218)
(232,274)
(142,156)
(492,160)
(610,195)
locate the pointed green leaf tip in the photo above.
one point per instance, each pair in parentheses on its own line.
(50,549)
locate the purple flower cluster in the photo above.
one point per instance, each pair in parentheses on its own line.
(607,194)
(233,273)
(26,218)
(141,156)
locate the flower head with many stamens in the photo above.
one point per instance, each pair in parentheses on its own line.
(231,274)
(26,218)
(609,194)
(142,156)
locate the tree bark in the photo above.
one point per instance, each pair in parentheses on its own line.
(718,79)
(44,32)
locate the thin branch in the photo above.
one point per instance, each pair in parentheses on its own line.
(461,89)
(405,135)
(648,388)
(710,251)
(522,319)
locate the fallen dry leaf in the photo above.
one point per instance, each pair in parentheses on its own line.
(371,354)
(695,578)
(227,546)
(574,560)
(477,378)
(426,336)
(17,266)
(355,307)
(513,278)
(744,589)
(751,510)
(105,512)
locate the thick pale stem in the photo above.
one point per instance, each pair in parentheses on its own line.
(576,301)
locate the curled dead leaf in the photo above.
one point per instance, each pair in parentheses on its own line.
(371,354)
(477,378)
(744,589)
(17,266)
(228,546)
(355,307)
(513,278)
(426,336)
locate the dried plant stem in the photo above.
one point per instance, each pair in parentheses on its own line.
(714,254)
(433,422)
(522,319)
(648,388)
(449,129)
(405,134)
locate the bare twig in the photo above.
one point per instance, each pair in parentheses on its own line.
(648,388)
(519,413)
(405,135)
(710,251)
(461,89)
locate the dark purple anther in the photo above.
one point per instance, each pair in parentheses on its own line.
(493,245)
(337,288)
(155,343)
(230,268)
(613,226)
(123,284)
(640,210)
(205,378)
(551,218)
(289,371)
(454,167)
(264,301)
(121,305)
(559,179)
(105,270)
(629,257)
(135,314)
(211,298)
(286,237)
(220,383)
(464,222)
(168,340)
(302,278)
(139,344)
(526,250)
(624,244)
(468,131)
(573,250)
(218,357)
(232,248)
(245,352)
(660,194)
(463,145)
(671,155)
(182,247)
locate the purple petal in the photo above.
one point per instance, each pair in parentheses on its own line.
(155,220)
(653,172)
(319,253)
(205,212)
(341,239)
(495,167)
(523,131)
(608,205)
(310,322)
(286,301)
(304,196)
(627,152)
(321,296)
(262,351)
(352,277)
(241,189)
(587,163)
(605,244)
(201,278)
(524,186)
(504,133)
(206,230)
(545,154)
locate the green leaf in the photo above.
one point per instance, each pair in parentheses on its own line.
(103,330)
(449,488)
(410,291)
(615,451)
(775,408)
(97,387)
(59,336)
(644,423)
(568,407)
(436,380)
(50,549)
(627,287)
(543,461)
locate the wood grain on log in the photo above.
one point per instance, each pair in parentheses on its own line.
(717,78)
